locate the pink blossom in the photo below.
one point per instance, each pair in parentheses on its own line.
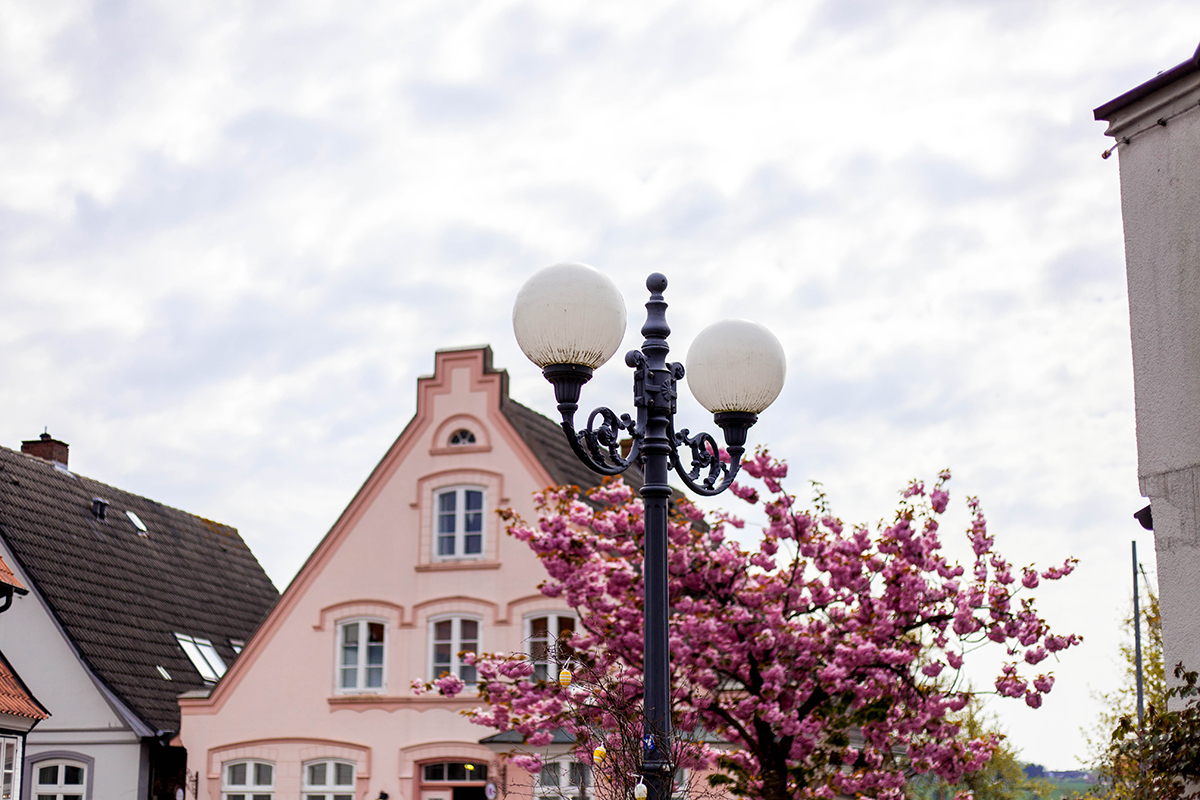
(811,623)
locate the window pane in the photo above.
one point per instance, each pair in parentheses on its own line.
(374,677)
(48,775)
(316,774)
(445,523)
(467,673)
(260,797)
(474,500)
(480,773)
(441,654)
(236,775)
(473,544)
(581,774)
(374,632)
(445,545)
(470,630)
(435,772)
(446,501)
(550,774)
(441,630)
(263,774)
(72,797)
(349,678)
(343,775)
(210,655)
(350,633)
(72,776)
(314,797)
(198,661)
(456,771)
(473,522)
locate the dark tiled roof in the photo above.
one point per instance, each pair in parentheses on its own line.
(549,444)
(15,697)
(121,596)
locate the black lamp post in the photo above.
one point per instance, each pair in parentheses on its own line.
(570,319)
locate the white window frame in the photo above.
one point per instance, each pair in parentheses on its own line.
(456,667)
(59,790)
(251,789)
(10,767)
(566,784)
(203,655)
(361,677)
(542,652)
(462,441)
(447,781)
(457,539)
(329,791)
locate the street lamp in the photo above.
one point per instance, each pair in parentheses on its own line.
(569,319)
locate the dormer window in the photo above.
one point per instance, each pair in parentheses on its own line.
(462,436)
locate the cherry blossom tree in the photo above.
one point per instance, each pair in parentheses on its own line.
(827,659)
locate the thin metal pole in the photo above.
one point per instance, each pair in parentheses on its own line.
(1137,640)
(656,744)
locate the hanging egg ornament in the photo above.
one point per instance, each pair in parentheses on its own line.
(564,678)
(640,791)
(598,755)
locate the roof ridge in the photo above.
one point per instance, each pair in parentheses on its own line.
(95,482)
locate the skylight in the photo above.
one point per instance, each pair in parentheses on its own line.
(203,656)
(137,522)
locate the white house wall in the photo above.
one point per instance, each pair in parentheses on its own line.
(82,721)
(1160,203)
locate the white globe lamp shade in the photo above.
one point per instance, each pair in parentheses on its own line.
(735,365)
(569,313)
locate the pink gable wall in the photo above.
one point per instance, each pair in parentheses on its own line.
(279,702)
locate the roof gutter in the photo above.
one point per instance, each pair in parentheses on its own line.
(1105,112)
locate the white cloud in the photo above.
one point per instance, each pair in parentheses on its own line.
(231,237)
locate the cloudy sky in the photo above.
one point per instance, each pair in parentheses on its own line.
(232,236)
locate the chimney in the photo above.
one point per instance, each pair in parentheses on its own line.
(46,447)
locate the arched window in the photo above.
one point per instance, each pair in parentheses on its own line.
(462,436)
(247,780)
(61,779)
(458,522)
(451,638)
(328,780)
(361,650)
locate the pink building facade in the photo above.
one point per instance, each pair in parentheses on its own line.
(417,569)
